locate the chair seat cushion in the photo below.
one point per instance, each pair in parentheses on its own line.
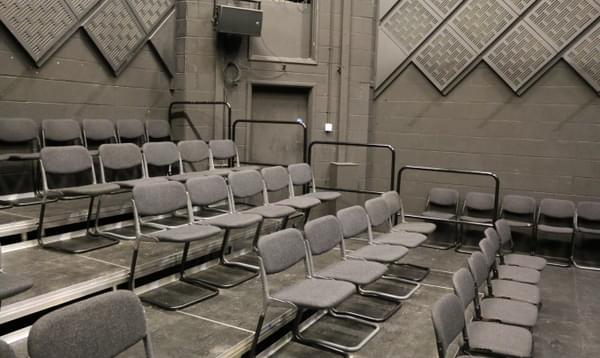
(418,227)
(129,184)
(91,190)
(477,219)
(324,195)
(518,223)
(509,311)
(438,215)
(93,152)
(520,274)
(4,157)
(11,285)
(532,262)
(246,167)
(235,221)
(355,271)
(402,238)
(587,230)
(24,156)
(516,291)
(187,233)
(300,202)
(272,211)
(500,339)
(380,253)
(185,176)
(218,171)
(316,293)
(555,229)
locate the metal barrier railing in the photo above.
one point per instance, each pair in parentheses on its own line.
(388,147)
(453,171)
(252,121)
(202,103)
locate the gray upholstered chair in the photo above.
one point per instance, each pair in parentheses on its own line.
(6,350)
(478,207)
(61,132)
(355,221)
(225,150)
(479,337)
(194,154)
(98,131)
(301,174)
(211,190)
(165,198)
(396,208)
(587,224)
(518,210)
(323,235)
(442,203)
(248,184)
(99,327)
(276,180)
(478,265)
(123,164)
(280,251)
(131,131)
(490,247)
(158,130)
(161,159)
(503,229)
(556,217)
(500,310)
(68,172)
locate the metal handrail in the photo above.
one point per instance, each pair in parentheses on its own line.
(260,121)
(453,171)
(213,103)
(390,148)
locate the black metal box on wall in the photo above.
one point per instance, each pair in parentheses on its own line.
(238,20)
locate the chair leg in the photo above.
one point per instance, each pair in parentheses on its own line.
(297,336)
(40,231)
(134,258)
(256,336)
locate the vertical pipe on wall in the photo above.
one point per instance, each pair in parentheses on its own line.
(344,94)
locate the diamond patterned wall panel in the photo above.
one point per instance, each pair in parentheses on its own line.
(520,5)
(163,41)
(116,32)
(385,6)
(37,25)
(389,56)
(409,23)
(519,55)
(81,7)
(584,56)
(444,57)
(560,21)
(480,22)
(444,7)
(150,12)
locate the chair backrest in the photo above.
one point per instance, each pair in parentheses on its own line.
(556,212)
(131,130)
(281,250)
(588,214)
(354,221)
(448,318)
(245,183)
(158,130)
(518,204)
(18,130)
(67,160)
(161,158)
(378,211)
(478,265)
(99,130)
(504,232)
(464,286)
(443,197)
(101,326)
(222,149)
(489,248)
(119,159)
(479,201)
(159,198)
(61,131)
(6,351)
(300,173)
(194,151)
(392,199)
(276,178)
(207,190)
(323,234)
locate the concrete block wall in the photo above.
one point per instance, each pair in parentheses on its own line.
(543,144)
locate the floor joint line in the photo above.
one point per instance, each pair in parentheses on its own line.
(215,321)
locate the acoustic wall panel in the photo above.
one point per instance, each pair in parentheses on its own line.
(584,57)
(37,25)
(560,21)
(519,55)
(444,7)
(151,12)
(385,6)
(409,23)
(81,7)
(116,32)
(520,6)
(444,57)
(389,55)
(163,41)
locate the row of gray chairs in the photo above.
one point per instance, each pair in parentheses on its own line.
(102,326)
